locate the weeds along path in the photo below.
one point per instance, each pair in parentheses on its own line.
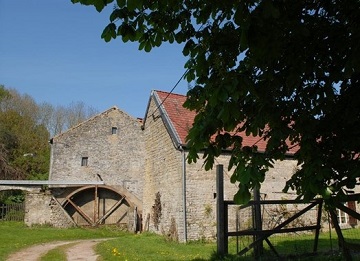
(78,251)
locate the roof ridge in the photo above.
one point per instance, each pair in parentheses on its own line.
(87,120)
(170,93)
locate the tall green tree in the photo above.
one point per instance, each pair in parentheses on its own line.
(6,142)
(25,129)
(286,71)
(24,142)
(30,150)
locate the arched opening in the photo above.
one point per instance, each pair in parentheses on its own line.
(99,205)
(12,205)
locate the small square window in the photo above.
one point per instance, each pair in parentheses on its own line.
(84,161)
(113,130)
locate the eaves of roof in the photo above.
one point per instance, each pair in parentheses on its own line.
(169,124)
(178,121)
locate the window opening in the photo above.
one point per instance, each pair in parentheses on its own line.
(113,130)
(84,161)
(342,217)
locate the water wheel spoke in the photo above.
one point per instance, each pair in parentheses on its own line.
(110,211)
(82,213)
(122,217)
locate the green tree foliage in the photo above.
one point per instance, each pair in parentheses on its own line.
(24,142)
(30,149)
(25,129)
(288,71)
(7,141)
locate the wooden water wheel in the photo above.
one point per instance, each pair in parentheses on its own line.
(98,205)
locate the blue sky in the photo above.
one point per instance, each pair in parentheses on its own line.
(52,50)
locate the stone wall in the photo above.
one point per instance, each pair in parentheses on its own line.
(201,198)
(58,216)
(41,208)
(201,194)
(116,158)
(163,177)
(149,165)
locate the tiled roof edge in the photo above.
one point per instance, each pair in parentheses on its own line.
(168,123)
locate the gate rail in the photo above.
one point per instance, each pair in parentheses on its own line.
(260,235)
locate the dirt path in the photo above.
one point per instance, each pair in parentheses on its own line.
(78,251)
(83,251)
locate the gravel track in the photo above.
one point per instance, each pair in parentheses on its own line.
(78,251)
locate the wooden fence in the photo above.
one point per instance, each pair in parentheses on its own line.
(259,220)
(12,212)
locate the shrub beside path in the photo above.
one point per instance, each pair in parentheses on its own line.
(78,251)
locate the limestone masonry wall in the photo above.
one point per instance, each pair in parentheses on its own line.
(164,175)
(163,170)
(201,194)
(42,209)
(178,199)
(112,144)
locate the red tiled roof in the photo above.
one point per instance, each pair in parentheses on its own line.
(182,120)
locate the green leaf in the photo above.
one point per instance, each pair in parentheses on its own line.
(188,46)
(131,5)
(190,76)
(142,45)
(134,4)
(148,46)
(121,3)
(113,31)
(233,178)
(171,37)
(243,40)
(238,16)
(115,15)
(231,162)
(125,38)
(158,39)
(100,4)
(242,196)
(109,32)
(209,162)
(327,193)
(271,9)
(245,175)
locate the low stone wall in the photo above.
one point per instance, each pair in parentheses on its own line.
(41,208)
(58,216)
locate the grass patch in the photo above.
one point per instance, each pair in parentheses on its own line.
(147,246)
(153,247)
(58,254)
(16,235)
(297,246)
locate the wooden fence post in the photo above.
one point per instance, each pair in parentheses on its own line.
(221,217)
(341,240)
(259,248)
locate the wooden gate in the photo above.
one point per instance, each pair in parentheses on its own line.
(261,235)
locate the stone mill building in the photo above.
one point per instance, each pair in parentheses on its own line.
(116,169)
(108,147)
